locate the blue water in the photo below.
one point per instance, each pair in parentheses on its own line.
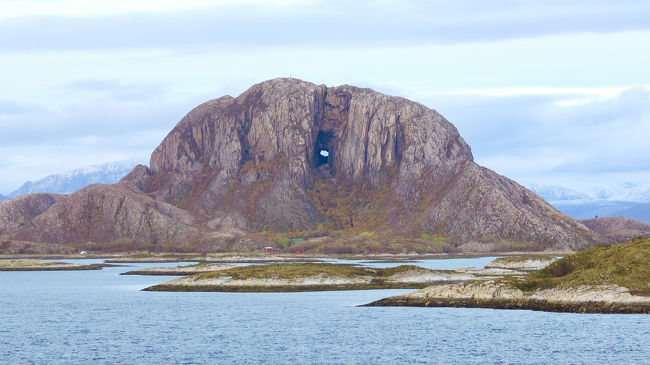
(100,317)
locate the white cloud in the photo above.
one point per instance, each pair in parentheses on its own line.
(540,90)
(79,8)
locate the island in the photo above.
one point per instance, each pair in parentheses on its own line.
(39,265)
(317,277)
(181,270)
(601,279)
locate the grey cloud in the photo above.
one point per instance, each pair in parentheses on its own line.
(325,23)
(106,118)
(608,136)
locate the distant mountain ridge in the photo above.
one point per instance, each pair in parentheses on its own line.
(73,180)
(2,197)
(626,200)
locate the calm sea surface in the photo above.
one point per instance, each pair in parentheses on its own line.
(101,317)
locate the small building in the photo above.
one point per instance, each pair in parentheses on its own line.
(270,249)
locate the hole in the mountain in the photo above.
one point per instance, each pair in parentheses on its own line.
(323,156)
(322,149)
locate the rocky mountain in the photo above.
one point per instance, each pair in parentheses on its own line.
(16,213)
(619,229)
(291,156)
(76,179)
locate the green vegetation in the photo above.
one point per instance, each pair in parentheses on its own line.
(340,202)
(290,271)
(289,277)
(282,241)
(524,258)
(626,265)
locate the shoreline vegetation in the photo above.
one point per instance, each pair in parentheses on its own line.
(601,279)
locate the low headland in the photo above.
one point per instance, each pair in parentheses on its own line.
(601,279)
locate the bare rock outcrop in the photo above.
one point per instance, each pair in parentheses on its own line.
(255,163)
(104,213)
(618,229)
(16,213)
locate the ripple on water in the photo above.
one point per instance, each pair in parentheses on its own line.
(99,316)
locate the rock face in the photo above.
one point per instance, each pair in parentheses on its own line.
(16,213)
(104,213)
(618,229)
(254,163)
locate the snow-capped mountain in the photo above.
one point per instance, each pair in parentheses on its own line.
(555,193)
(76,179)
(624,199)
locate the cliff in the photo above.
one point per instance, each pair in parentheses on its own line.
(291,156)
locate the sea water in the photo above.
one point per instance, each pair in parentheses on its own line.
(101,317)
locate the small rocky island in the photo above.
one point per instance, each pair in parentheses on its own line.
(39,265)
(182,270)
(601,279)
(316,277)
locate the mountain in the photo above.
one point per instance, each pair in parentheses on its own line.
(620,229)
(292,157)
(74,180)
(16,213)
(626,199)
(2,197)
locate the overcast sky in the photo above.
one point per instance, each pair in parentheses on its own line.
(546,92)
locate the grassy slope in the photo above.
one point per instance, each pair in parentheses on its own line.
(626,264)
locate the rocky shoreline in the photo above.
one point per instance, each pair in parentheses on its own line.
(503,295)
